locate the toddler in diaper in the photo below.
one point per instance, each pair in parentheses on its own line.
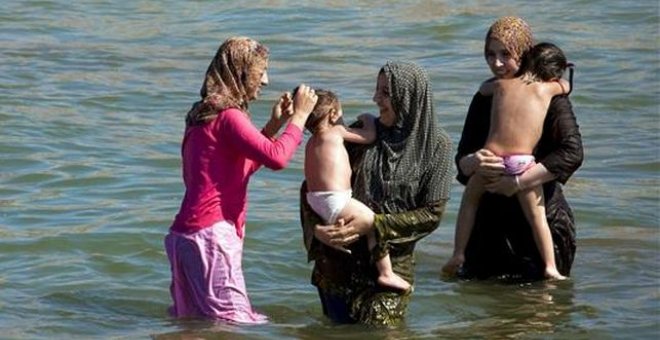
(328,174)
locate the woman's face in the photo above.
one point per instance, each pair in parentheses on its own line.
(382,99)
(253,90)
(501,62)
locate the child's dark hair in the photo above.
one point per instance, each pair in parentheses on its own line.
(326,102)
(545,60)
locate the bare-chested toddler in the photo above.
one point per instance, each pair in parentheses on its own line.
(519,108)
(328,172)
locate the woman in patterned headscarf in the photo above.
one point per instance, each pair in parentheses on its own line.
(221,149)
(404,178)
(501,243)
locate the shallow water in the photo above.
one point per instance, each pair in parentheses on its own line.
(92,100)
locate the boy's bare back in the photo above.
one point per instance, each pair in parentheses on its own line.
(327,167)
(519,108)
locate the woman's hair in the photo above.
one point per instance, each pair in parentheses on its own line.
(545,61)
(326,102)
(513,32)
(233,73)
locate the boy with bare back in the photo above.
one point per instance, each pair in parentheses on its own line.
(328,172)
(519,108)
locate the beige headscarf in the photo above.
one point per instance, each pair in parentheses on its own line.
(234,71)
(514,33)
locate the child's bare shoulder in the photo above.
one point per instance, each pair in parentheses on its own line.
(487,88)
(333,134)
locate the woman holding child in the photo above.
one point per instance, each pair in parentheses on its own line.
(403,177)
(501,244)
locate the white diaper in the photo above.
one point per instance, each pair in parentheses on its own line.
(328,204)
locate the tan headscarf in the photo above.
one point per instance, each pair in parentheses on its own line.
(234,72)
(514,33)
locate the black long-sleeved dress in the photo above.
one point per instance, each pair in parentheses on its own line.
(501,244)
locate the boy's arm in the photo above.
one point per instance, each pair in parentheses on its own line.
(364,135)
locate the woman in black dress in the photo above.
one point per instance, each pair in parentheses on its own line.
(501,244)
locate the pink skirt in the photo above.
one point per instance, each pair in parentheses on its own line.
(207,275)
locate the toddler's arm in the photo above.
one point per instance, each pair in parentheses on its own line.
(558,87)
(565,86)
(364,135)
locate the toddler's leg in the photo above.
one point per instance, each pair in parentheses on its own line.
(465,222)
(386,277)
(533,205)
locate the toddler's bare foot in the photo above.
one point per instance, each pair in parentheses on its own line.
(394,281)
(452,266)
(553,274)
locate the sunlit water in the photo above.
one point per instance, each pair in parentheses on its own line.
(92,98)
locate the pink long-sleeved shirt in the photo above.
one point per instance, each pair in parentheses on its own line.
(218,159)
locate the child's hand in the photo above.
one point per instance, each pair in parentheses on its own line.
(368,121)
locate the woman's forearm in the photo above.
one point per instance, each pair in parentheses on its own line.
(272,127)
(409,225)
(535,176)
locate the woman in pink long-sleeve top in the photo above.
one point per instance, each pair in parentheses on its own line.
(221,149)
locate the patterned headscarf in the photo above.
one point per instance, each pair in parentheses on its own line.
(234,71)
(514,33)
(407,165)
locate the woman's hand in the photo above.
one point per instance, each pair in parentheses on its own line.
(484,162)
(503,185)
(510,185)
(281,112)
(283,108)
(358,221)
(304,101)
(336,235)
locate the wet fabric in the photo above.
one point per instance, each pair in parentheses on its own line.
(501,244)
(404,178)
(207,275)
